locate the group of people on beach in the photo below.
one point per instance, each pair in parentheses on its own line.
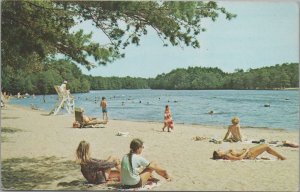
(134,170)
(233,134)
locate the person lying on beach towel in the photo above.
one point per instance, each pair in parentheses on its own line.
(234,130)
(95,171)
(250,153)
(290,144)
(136,170)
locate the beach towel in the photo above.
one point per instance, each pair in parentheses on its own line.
(116,186)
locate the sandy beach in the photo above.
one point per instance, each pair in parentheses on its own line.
(39,154)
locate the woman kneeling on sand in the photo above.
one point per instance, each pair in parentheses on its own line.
(250,153)
(95,171)
(135,170)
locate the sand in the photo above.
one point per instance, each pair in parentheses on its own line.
(41,155)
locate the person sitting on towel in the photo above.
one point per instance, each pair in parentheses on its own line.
(234,130)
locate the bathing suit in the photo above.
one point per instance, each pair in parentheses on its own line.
(104,110)
(248,155)
(139,184)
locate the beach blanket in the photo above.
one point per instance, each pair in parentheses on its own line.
(152,183)
(259,158)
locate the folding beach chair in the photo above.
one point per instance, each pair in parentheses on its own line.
(64,100)
(79,119)
(79,116)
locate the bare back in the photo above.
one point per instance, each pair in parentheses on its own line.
(103,104)
(234,130)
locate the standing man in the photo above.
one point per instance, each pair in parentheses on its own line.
(103,105)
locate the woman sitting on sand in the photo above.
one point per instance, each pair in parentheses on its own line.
(234,130)
(136,170)
(250,153)
(95,171)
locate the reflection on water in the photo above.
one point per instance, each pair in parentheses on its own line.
(189,106)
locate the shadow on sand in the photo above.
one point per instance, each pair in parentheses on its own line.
(39,173)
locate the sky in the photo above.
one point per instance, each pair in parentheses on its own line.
(264,33)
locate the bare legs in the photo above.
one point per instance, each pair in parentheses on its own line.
(257,150)
(117,165)
(146,174)
(104,116)
(166,125)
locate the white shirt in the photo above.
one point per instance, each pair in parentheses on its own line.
(131,176)
(63,87)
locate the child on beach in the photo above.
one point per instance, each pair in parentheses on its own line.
(136,170)
(234,130)
(95,171)
(103,105)
(168,121)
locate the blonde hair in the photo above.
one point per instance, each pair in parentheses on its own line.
(83,152)
(235,120)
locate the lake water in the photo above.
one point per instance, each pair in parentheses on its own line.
(189,106)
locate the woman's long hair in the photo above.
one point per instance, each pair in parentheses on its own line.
(216,155)
(134,146)
(83,152)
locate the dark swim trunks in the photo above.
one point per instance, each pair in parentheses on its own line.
(104,110)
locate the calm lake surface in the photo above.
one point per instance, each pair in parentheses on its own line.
(189,106)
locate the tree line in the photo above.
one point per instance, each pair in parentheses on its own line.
(54,72)
(273,77)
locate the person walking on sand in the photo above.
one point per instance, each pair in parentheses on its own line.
(136,170)
(95,171)
(234,130)
(103,105)
(250,153)
(168,121)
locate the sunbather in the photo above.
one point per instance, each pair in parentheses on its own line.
(234,130)
(91,121)
(290,144)
(95,171)
(250,153)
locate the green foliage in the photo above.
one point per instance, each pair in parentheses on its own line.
(34,30)
(193,78)
(275,77)
(53,72)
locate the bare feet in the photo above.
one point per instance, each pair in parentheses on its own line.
(168,178)
(281,158)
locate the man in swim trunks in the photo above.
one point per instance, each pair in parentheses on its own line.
(103,105)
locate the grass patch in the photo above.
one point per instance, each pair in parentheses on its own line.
(9,130)
(4,139)
(34,173)
(10,117)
